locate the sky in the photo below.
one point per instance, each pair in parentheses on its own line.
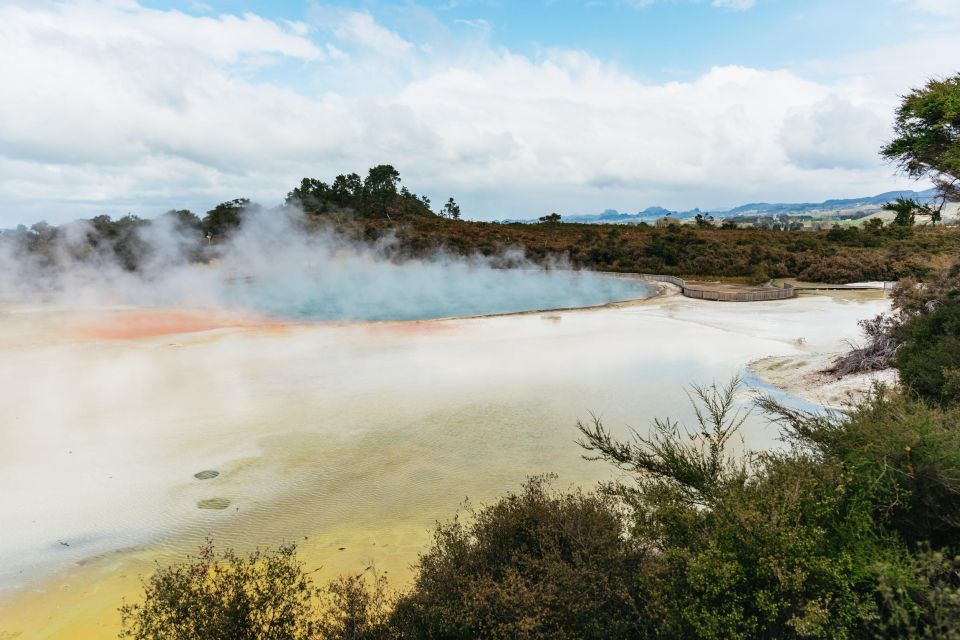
(515,108)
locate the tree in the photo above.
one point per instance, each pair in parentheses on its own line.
(377,195)
(184,220)
(311,196)
(380,187)
(907,210)
(927,142)
(225,217)
(347,190)
(803,542)
(451,210)
(703,220)
(118,239)
(553,218)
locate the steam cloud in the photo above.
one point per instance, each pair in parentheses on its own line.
(271,265)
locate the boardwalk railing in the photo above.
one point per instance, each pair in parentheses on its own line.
(706,293)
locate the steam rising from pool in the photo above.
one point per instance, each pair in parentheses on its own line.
(378,291)
(273,266)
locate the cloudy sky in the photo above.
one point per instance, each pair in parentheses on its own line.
(516,108)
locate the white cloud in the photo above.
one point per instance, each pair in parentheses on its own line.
(359,28)
(833,134)
(119,25)
(115,107)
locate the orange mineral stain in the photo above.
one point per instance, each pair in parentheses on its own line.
(149,324)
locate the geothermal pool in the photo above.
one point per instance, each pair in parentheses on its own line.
(424,291)
(351,439)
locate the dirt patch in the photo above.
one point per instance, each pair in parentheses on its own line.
(804,377)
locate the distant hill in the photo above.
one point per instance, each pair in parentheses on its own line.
(612,216)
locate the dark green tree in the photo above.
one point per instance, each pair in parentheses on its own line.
(703,220)
(356,607)
(451,210)
(927,142)
(225,218)
(312,196)
(907,210)
(347,190)
(380,188)
(553,218)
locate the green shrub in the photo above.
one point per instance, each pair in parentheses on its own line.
(264,596)
(922,602)
(537,564)
(931,353)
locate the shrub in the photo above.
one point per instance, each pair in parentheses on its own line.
(935,577)
(264,596)
(537,564)
(930,355)
(356,607)
(798,543)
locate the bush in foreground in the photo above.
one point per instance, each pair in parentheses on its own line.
(929,361)
(266,596)
(851,530)
(536,564)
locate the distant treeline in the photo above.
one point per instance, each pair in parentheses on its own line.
(755,255)
(128,242)
(376,207)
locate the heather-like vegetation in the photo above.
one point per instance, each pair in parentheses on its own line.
(847,255)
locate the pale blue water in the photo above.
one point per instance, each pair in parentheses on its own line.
(425,291)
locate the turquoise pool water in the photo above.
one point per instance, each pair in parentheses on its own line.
(423,291)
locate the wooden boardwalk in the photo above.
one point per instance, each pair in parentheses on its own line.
(734,293)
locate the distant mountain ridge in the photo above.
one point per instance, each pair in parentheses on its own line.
(755,208)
